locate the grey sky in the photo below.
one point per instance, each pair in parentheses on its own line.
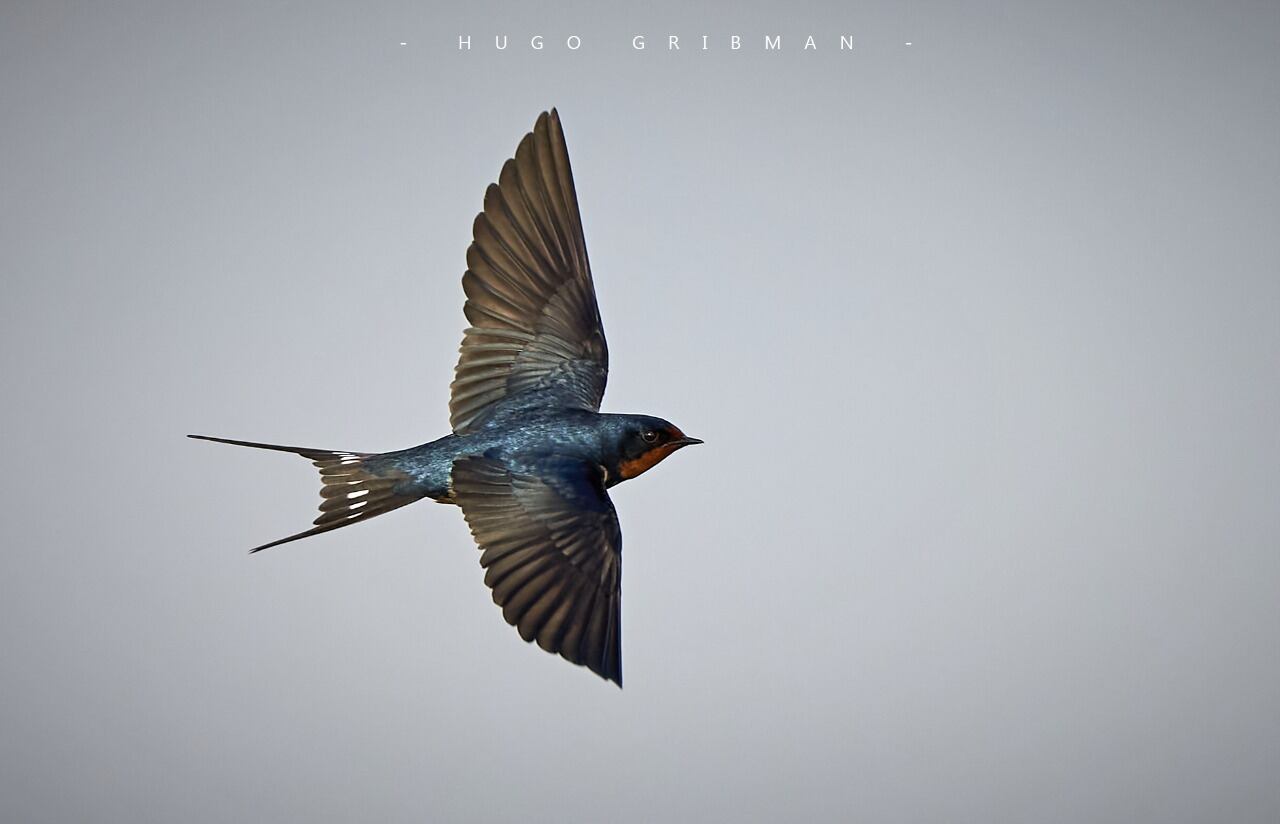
(982,335)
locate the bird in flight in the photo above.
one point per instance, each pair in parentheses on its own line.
(530,456)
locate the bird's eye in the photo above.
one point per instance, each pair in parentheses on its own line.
(649,436)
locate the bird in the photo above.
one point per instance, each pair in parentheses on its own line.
(530,457)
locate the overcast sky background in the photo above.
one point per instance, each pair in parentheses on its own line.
(983,335)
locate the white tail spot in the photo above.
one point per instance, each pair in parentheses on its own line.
(358,504)
(357,494)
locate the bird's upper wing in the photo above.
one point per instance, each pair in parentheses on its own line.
(535,338)
(552,550)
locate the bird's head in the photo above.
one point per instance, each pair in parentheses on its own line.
(645,441)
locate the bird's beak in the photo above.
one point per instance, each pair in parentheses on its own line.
(686,441)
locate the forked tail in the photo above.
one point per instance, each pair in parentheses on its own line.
(357,486)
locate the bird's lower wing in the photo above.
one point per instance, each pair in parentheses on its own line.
(552,550)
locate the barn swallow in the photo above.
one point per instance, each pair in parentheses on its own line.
(530,456)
